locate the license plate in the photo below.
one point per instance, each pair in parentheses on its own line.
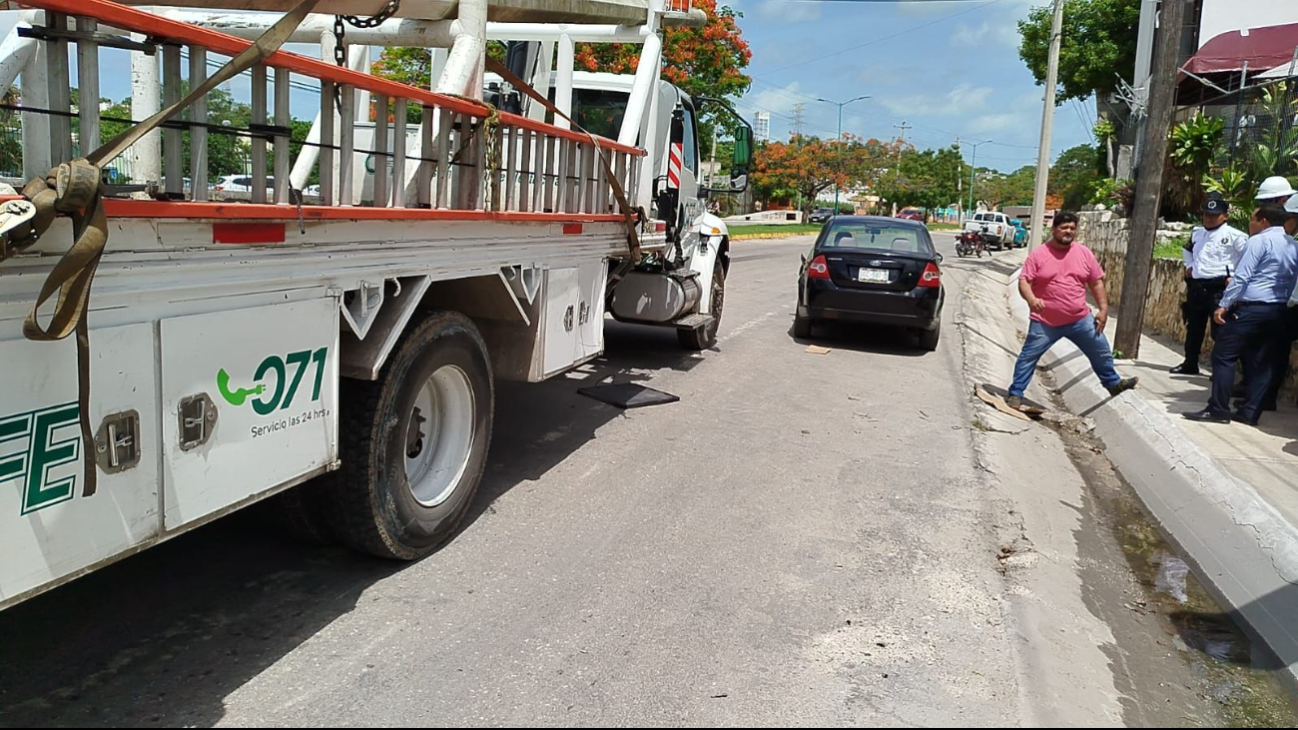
(873,276)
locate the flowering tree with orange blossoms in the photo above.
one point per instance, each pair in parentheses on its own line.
(805,167)
(706,61)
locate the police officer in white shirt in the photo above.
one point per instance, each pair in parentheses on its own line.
(1212,253)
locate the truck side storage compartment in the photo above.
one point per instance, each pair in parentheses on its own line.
(49,528)
(249,404)
(573,323)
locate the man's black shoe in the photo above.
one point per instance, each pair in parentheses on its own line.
(1207,415)
(1239,418)
(1185,369)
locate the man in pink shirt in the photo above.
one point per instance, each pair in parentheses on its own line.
(1054,283)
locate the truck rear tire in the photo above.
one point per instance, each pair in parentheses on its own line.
(704,338)
(414,442)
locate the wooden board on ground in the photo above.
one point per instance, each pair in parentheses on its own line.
(818,350)
(994,396)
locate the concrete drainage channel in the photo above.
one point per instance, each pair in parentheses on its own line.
(1237,675)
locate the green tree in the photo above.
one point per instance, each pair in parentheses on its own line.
(1098,45)
(1000,189)
(227,152)
(924,179)
(1073,176)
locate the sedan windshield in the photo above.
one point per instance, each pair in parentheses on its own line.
(876,237)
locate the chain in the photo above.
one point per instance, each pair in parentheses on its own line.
(340,44)
(340,36)
(491,164)
(374,21)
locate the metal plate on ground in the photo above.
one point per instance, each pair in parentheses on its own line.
(628,395)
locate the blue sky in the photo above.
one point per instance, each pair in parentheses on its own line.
(946,68)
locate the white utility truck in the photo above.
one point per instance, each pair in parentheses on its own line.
(346,340)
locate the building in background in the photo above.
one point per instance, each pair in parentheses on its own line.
(762,126)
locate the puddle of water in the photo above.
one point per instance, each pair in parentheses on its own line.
(1172,572)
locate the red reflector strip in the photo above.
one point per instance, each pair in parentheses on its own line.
(572,229)
(248,233)
(660,226)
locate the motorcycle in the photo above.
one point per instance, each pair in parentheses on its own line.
(970,243)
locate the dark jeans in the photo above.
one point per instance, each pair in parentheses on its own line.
(1201,300)
(1250,335)
(1041,337)
(1280,357)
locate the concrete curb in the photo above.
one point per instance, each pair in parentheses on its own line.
(1242,548)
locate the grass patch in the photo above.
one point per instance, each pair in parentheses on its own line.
(944,226)
(768,230)
(1170,248)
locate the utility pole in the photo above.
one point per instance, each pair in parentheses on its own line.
(903,127)
(1149,179)
(1047,127)
(959,186)
(797,119)
(973,170)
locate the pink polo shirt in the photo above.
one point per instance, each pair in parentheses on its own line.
(1059,279)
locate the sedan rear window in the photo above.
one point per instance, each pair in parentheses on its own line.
(877,237)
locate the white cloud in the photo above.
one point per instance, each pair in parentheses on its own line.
(779,101)
(963,99)
(790,11)
(1000,34)
(988,123)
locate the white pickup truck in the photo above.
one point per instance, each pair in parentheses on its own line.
(995,228)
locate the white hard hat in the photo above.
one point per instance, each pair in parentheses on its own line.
(1291,205)
(1275,187)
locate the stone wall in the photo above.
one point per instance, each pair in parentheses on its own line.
(1107,236)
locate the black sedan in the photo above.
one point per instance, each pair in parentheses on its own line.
(873,270)
(820,215)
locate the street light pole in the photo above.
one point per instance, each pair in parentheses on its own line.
(973,170)
(840,106)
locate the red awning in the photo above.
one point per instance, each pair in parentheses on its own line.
(1263,49)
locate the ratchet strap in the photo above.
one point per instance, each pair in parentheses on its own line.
(72,188)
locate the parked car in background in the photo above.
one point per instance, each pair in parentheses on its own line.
(239,184)
(995,228)
(1020,233)
(911,214)
(820,215)
(872,270)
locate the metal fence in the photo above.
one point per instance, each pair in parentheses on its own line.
(1261,129)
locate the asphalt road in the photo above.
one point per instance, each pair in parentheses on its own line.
(801,540)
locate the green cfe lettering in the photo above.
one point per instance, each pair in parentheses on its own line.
(32,466)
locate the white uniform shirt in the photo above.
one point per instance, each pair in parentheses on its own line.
(1214,254)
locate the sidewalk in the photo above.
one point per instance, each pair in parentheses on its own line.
(1226,495)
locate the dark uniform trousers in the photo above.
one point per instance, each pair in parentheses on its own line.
(1251,335)
(1280,356)
(1202,297)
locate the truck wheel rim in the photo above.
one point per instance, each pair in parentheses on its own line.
(439,439)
